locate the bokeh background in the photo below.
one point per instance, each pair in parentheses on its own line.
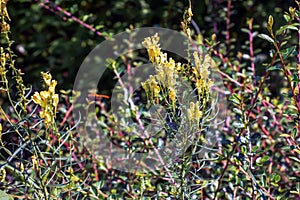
(48,40)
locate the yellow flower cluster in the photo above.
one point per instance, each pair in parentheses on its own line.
(3,63)
(151,43)
(47,99)
(194,113)
(151,87)
(166,70)
(201,73)
(167,73)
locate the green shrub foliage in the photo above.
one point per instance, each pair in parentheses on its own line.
(252,45)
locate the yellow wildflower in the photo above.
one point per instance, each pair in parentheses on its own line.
(52,86)
(47,78)
(46,116)
(41,98)
(167,80)
(194,113)
(198,113)
(55,100)
(151,87)
(47,99)
(206,64)
(151,43)
(200,85)
(163,58)
(1,134)
(202,66)
(154,86)
(190,111)
(172,95)
(2,174)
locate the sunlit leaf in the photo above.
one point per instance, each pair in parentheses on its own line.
(235,99)
(4,196)
(238,111)
(284,135)
(266,37)
(286,27)
(238,125)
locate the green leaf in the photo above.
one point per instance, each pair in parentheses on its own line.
(273,68)
(4,196)
(245,30)
(238,125)
(238,111)
(85,17)
(286,148)
(287,17)
(277,178)
(274,184)
(294,133)
(235,99)
(283,28)
(264,159)
(266,37)
(272,177)
(255,148)
(295,79)
(98,27)
(295,159)
(288,51)
(244,149)
(294,192)
(292,109)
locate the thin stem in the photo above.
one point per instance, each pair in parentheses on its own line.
(68,14)
(298,100)
(287,75)
(251,52)
(260,87)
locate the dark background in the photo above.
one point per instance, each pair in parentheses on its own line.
(53,42)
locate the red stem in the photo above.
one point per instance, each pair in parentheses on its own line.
(68,14)
(250,21)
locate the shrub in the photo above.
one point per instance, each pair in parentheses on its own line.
(256,151)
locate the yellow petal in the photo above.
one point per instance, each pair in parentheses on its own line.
(172,95)
(47,78)
(46,116)
(55,102)
(52,86)
(156,90)
(36,98)
(44,95)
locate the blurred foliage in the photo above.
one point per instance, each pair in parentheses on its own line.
(46,40)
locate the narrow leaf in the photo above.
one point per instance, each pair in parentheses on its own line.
(288,51)
(235,99)
(284,135)
(266,37)
(238,125)
(238,111)
(276,67)
(283,28)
